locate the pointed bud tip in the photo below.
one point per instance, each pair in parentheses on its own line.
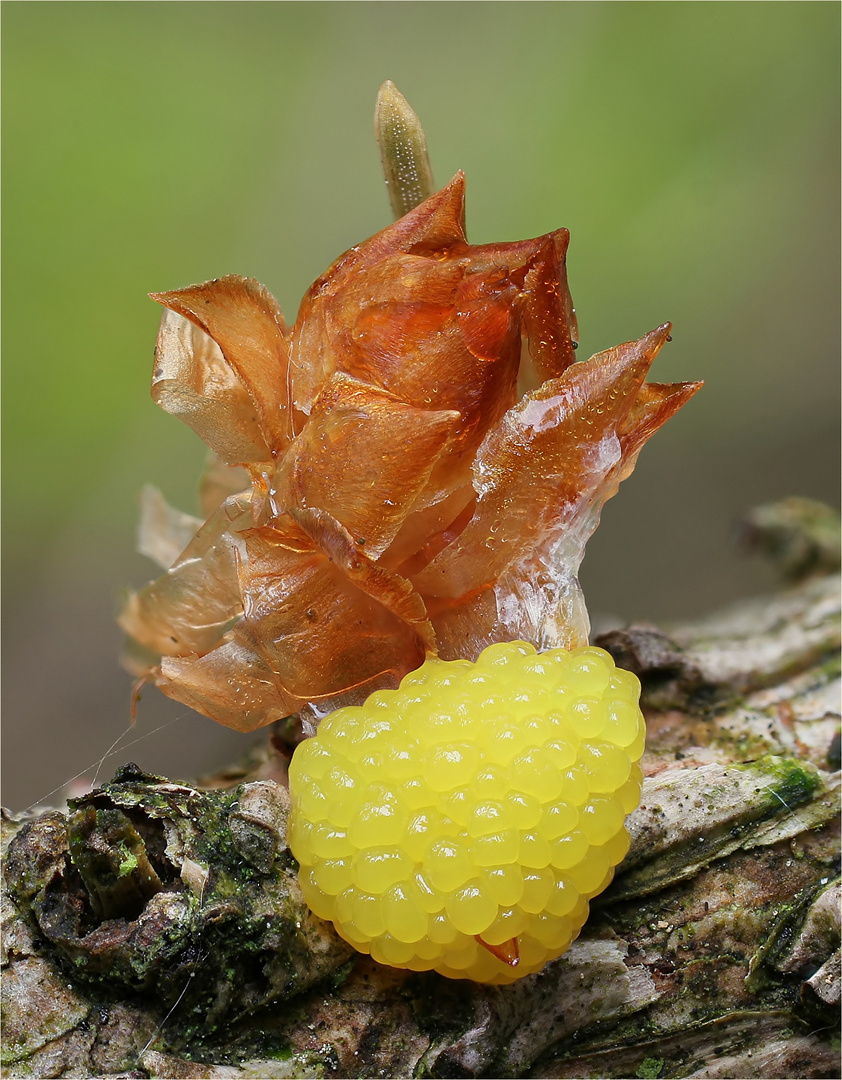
(403,150)
(391,110)
(507,951)
(388,94)
(655,340)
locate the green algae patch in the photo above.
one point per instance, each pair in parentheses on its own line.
(784,782)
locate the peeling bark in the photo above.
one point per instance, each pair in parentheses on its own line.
(157,929)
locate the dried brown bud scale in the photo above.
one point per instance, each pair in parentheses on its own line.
(402,502)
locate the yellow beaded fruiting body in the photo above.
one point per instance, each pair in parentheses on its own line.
(462,822)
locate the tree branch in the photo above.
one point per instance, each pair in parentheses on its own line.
(157,930)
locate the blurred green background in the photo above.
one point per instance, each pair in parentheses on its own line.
(691,148)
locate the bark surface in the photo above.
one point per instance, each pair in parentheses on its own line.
(156,929)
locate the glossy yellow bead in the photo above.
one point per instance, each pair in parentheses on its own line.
(563,897)
(623,722)
(378,822)
(470,908)
(328,842)
(558,819)
(448,865)
(587,717)
(601,819)
(496,849)
(537,886)
(569,850)
(333,876)
(504,884)
(405,920)
(378,868)
(534,850)
(488,817)
(510,922)
(587,875)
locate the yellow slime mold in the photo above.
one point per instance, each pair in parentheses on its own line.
(462,822)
